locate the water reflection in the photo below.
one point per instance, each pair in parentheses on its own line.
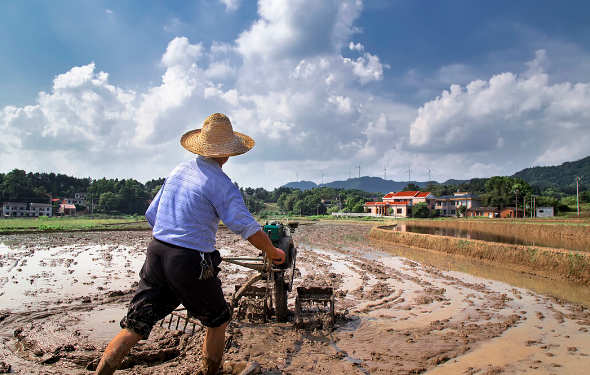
(562,289)
(554,242)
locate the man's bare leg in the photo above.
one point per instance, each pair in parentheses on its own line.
(116,351)
(213,347)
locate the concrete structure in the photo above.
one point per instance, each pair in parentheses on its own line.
(17,209)
(79,198)
(40,209)
(545,212)
(490,212)
(448,204)
(400,203)
(512,212)
(65,209)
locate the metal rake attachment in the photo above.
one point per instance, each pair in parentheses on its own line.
(314,308)
(179,320)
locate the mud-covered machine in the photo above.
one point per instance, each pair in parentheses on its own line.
(254,298)
(265,294)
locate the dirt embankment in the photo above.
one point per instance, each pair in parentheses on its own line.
(553,263)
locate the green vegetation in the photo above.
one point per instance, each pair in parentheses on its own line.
(71,223)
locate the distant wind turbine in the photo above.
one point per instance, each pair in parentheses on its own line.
(359,168)
(409,172)
(429,172)
(322,176)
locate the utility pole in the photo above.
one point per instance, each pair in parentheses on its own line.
(516,211)
(578,193)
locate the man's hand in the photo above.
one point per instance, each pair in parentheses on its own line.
(278,257)
(261,241)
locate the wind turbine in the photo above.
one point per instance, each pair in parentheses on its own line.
(322,176)
(429,172)
(409,172)
(359,168)
(350,174)
(297,179)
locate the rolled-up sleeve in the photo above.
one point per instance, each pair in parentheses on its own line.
(234,214)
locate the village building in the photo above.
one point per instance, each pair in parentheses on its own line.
(79,198)
(449,204)
(490,212)
(17,209)
(512,212)
(66,209)
(400,204)
(545,212)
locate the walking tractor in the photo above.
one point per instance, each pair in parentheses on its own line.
(265,294)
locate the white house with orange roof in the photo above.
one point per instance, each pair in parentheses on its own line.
(400,203)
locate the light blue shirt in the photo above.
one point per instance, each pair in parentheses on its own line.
(195,196)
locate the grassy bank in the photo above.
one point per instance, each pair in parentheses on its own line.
(49,224)
(552,263)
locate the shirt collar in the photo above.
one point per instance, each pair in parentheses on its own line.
(208,160)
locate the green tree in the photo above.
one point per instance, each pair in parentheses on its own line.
(420,210)
(108,201)
(411,187)
(461,211)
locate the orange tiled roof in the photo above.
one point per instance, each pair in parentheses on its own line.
(406,193)
(422,194)
(389,195)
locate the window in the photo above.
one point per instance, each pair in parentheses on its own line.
(399,210)
(452,212)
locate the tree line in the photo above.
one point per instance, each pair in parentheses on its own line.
(129,196)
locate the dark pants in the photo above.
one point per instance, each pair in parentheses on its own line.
(170,277)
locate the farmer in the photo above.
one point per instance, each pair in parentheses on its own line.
(181,265)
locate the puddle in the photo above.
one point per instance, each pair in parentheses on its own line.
(42,275)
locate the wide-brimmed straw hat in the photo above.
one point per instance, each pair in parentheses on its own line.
(217,138)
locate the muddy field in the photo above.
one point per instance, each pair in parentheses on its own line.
(62,296)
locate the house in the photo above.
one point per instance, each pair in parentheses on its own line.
(448,204)
(65,209)
(490,212)
(40,209)
(545,212)
(79,198)
(512,212)
(400,203)
(14,209)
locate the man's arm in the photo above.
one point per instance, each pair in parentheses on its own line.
(261,241)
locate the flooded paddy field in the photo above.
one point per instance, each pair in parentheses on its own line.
(62,297)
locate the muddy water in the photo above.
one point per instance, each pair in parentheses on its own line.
(566,290)
(394,315)
(37,274)
(555,242)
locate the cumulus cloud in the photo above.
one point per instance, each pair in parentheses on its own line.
(485,115)
(298,29)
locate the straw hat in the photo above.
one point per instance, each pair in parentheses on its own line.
(216,139)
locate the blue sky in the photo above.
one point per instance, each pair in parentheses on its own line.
(465,88)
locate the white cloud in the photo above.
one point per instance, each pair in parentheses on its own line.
(231,5)
(298,28)
(181,52)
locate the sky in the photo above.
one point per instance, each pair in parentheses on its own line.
(402,89)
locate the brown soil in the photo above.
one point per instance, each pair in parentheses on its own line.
(393,315)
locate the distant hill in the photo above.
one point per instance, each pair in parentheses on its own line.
(455,182)
(368,184)
(558,176)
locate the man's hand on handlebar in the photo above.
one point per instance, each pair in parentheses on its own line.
(278,257)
